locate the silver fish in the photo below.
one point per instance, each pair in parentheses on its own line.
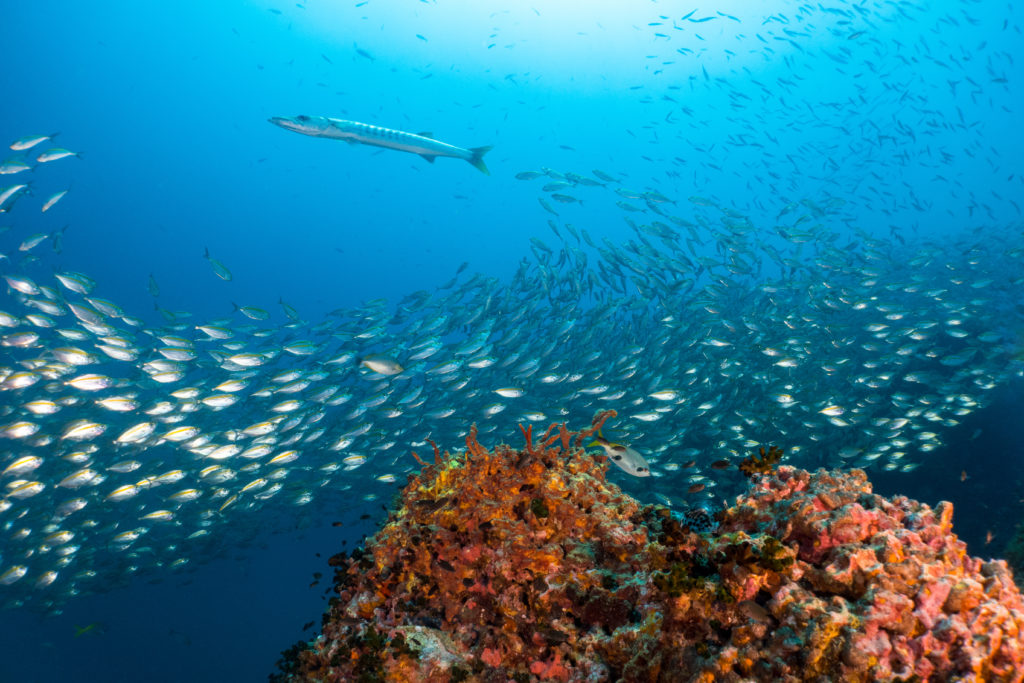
(625,457)
(364,133)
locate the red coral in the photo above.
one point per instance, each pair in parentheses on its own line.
(490,657)
(551,670)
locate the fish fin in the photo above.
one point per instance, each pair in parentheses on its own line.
(426,134)
(478,158)
(430,159)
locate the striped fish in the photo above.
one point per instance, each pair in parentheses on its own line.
(366,134)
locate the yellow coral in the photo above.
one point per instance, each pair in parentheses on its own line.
(821,647)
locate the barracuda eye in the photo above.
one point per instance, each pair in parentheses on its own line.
(302,118)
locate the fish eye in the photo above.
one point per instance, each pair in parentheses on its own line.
(302,118)
(616,457)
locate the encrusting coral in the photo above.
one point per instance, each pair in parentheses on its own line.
(527,565)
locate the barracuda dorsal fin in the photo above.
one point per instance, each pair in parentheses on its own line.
(426,134)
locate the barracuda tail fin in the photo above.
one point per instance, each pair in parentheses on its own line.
(478,158)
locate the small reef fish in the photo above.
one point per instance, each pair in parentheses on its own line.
(218,268)
(56,154)
(56,197)
(625,457)
(12,166)
(9,194)
(366,134)
(381,365)
(30,141)
(90,629)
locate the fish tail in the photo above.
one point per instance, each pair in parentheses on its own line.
(478,158)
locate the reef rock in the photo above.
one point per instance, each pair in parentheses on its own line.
(527,565)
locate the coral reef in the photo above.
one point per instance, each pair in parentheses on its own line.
(527,565)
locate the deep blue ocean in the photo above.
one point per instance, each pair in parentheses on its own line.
(870,151)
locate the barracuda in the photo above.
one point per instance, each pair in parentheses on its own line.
(364,133)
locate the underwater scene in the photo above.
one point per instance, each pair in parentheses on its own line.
(467,340)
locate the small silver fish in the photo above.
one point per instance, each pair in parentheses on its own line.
(381,365)
(218,268)
(30,141)
(625,457)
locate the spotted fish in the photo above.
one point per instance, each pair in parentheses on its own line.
(625,457)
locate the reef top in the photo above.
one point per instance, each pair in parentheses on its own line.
(528,565)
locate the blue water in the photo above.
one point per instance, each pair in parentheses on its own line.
(908,112)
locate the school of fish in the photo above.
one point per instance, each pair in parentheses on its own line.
(132,448)
(123,442)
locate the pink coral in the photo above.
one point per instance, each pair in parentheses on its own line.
(552,670)
(923,605)
(490,657)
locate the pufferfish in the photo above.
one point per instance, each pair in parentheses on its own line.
(625,457)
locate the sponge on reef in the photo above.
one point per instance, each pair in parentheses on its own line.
(528,565)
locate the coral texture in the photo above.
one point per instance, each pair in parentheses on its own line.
(527,565)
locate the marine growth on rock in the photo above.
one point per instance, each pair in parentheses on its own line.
(528,565)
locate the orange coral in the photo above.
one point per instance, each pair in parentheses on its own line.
(527,564)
